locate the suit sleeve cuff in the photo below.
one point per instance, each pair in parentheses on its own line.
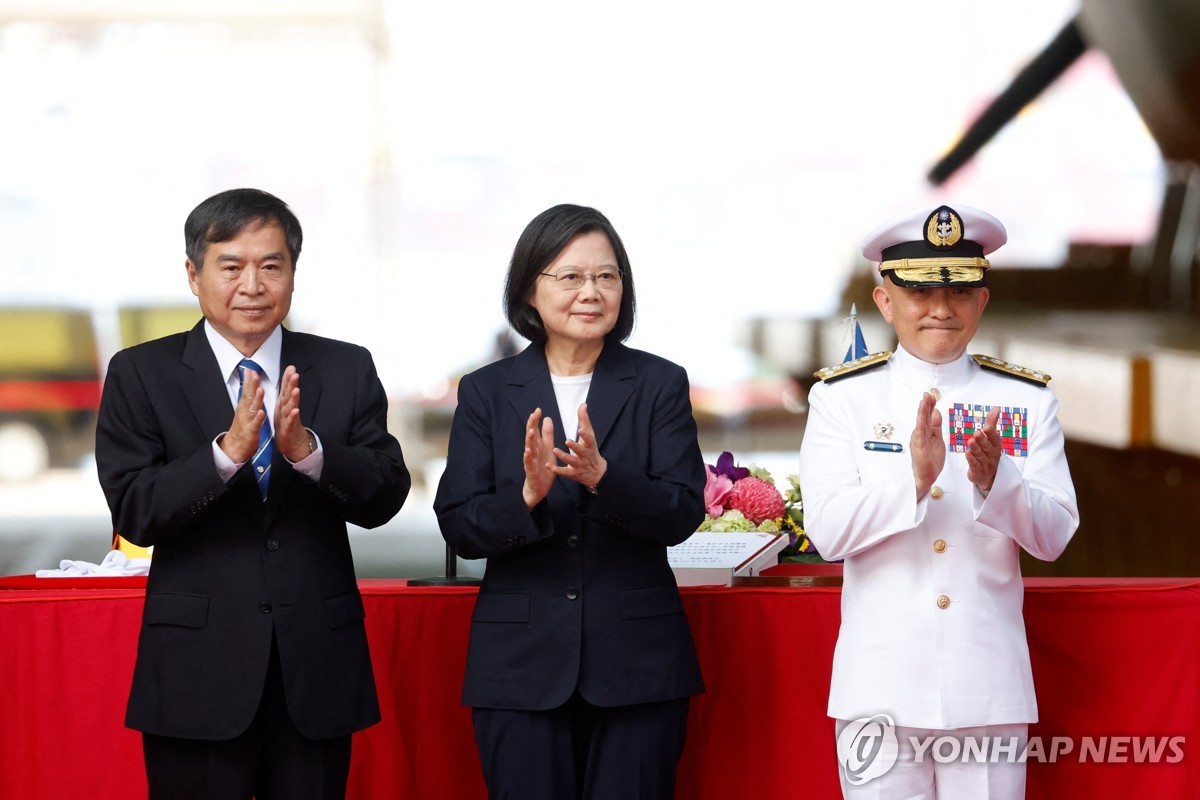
(311,465)
(226,466)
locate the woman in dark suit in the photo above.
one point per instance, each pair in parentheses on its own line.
(572,467)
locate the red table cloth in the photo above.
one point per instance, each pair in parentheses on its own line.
(1111,658)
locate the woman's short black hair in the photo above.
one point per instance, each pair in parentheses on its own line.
(223,216)
(543,239)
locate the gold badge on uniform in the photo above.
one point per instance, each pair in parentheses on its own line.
(883,432)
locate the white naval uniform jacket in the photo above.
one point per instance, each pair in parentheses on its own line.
(899,651)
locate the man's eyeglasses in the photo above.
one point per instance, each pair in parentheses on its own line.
(572,280)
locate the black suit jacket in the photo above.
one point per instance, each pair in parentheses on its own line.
(229,568)
(578,593)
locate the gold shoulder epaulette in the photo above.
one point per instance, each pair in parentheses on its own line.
(1012,370)
(852,367)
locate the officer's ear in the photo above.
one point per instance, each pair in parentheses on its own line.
(883,301)
(984,296)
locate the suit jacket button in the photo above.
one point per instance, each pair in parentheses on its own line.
(936,492)
(572,593)
(265,608)
(943,601)
(939,545)
(573,540)
(272,545)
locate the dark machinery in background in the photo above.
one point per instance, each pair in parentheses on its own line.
(1135,502)
(1154,46)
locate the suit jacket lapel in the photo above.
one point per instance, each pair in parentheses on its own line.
(531,388)
(292,353)
(204,386)
(611,388)
(529,382)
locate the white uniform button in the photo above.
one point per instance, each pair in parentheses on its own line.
(939,545)
(936,492)
(937,395)
(943,601)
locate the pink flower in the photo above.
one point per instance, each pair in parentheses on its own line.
(716,490)
(757,500)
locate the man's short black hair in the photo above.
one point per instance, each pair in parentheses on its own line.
(223,216)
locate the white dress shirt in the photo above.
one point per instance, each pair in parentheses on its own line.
(268,359)
(571,392)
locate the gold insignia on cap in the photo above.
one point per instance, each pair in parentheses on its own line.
(944,228)
(937,270)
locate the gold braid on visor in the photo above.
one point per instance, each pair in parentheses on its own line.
(937,270)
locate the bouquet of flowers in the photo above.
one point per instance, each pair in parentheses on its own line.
(747,499)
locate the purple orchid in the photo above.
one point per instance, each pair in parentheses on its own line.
(725,467)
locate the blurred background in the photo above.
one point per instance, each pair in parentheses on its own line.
(742,150)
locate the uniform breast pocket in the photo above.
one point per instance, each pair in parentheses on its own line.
(175,608)
(880,465)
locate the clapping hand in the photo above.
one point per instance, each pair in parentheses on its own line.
(538,458)
(291,438)
(927,445)
(583,463)
(983,452)
(240,443)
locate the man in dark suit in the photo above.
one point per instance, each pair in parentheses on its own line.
(252,667)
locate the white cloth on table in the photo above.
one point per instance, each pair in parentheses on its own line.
(115,564)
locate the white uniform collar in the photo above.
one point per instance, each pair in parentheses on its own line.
(922,375)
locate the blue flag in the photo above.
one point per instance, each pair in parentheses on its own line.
(858,347)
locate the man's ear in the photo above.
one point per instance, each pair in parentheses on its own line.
(883,301)
(193,277)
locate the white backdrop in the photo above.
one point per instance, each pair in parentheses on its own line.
(741,150)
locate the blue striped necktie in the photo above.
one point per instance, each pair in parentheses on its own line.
(261,463)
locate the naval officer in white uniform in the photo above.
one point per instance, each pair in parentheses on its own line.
(928,470)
